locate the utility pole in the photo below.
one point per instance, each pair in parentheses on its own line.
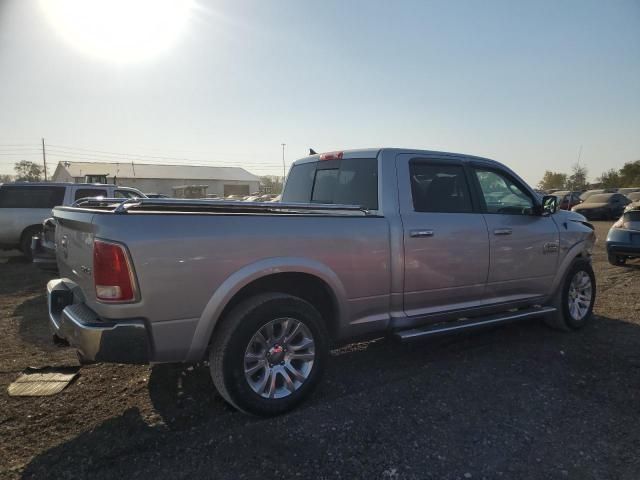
(44,160)
(284,172)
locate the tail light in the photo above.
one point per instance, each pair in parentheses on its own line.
(112,273)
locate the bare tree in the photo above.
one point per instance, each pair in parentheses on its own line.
(578,178)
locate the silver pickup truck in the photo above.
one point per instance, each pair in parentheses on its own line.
(373,242)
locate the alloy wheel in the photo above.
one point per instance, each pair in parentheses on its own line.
(279,358)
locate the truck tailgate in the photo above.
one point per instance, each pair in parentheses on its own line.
(74,240)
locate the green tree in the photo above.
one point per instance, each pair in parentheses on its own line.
(610,179)
(28,171)
(630,174)
(4,178)
(578,178)
(551,180)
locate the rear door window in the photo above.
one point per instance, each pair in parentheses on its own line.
(352,181)
(89,192)
(31,197)
(439,188)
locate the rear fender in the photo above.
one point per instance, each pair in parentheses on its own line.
(241,278)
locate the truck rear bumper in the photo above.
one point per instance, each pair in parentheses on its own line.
(96,340)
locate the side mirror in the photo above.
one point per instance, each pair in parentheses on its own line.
(549,205)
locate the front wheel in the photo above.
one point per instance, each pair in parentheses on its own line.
(576,298)
(269,353)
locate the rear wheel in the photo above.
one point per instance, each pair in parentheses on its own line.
(25,241)
(616,260)
(269,353)
(576,299)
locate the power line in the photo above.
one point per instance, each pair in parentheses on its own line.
(21,153)
(17,145)
(92,159)
(124,154)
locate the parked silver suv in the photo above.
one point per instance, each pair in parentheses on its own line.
(407,243)
(24,206)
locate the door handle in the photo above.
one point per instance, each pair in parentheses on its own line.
(421,233)
(502,231)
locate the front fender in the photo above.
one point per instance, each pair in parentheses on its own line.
(581,248)
(249,273)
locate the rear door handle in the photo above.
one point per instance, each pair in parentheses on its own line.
(421,233)
(502,231)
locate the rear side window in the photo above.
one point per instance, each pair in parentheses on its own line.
(31,197)
(89,192)
(352,181)
(439,188)
(300,182)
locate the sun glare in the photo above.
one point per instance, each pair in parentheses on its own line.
(120,31)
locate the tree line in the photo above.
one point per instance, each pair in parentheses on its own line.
(25,172)
(627,176)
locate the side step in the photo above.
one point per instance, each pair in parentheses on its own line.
(472,323)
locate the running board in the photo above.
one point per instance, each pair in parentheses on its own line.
(472,323)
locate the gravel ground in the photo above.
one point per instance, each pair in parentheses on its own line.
(515,402)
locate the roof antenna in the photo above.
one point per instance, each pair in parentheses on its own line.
(312,152)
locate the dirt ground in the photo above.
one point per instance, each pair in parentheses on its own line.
(516,402)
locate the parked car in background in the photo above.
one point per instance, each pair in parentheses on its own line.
(267,197)
(633,196)
(623,239)
(401,242)
(627,191)
(603,206)
(24,206)
(567,200)
(635,201)
(588,193)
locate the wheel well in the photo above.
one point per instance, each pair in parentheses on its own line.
(302,285)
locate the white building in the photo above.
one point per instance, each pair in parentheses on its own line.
(154,178)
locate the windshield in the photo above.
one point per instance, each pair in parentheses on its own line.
(600,198)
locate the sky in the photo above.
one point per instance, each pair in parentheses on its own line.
(535,85)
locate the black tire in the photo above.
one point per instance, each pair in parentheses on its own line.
(616,260)
(25,241)
(233,335)
(562,318)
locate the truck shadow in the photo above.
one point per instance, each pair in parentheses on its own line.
(376,398)
(34,322)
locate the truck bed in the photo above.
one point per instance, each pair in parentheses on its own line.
(187,253)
